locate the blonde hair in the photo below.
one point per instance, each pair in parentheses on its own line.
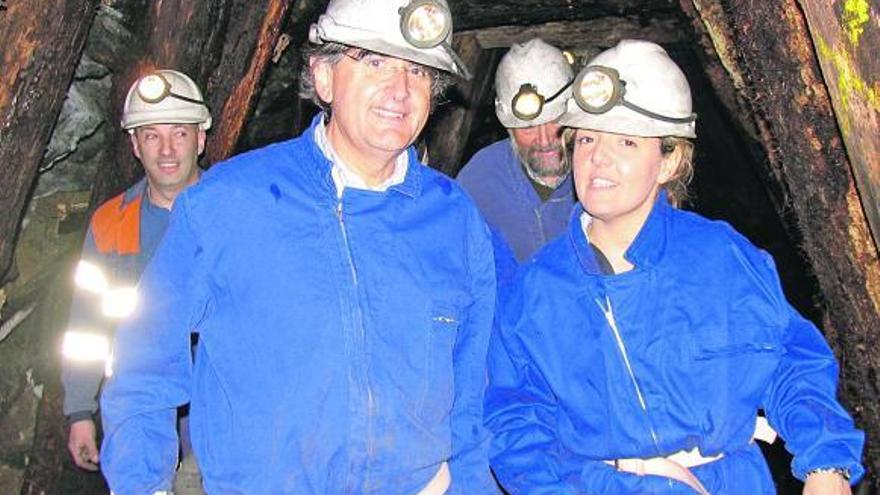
(676,186)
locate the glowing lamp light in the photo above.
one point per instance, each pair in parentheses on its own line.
(119,303)
(90,278)
(527,103)
(597,89)
(425,23)
(86,347)
(154,88)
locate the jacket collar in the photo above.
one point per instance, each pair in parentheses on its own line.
(647,248)
(139,189)
(411,185)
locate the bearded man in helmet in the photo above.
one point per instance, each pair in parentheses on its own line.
(166,118)
(522,184)
(342,291)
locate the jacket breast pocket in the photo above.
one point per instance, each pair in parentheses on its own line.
(439,385)
(738,340)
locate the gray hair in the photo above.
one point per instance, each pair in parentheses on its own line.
(332,53)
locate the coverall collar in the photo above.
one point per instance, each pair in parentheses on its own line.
(646,249)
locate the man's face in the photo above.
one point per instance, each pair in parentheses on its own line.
(379,105)
(169,154)
(540,149)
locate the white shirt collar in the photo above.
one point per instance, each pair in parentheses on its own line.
(345,176)
(586,220)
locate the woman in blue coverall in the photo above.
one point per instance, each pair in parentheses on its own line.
(634,354)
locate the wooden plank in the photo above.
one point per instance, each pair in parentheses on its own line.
(846,36)
(38,61)
(603,32)
(476,14)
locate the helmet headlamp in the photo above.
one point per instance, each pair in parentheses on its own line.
(425,23)
(598,89)
(154,88)
(528,103)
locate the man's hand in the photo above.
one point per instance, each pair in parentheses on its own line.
(826,483)
(82,444)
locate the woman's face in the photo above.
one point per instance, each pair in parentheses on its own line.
(618,177)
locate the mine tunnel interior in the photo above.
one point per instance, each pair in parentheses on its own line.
(733,181)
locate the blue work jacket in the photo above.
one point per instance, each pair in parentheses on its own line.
(495,178)
(342,341)
(709,338)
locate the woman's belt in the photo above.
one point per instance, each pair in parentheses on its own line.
(439,483)
(677,466)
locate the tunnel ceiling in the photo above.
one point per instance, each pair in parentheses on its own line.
(471,14)
(569,24)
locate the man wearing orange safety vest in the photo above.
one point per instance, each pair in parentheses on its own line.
(166,118)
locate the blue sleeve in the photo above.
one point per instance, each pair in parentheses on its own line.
(505,260)
(521,410)
(801,403)
(82,379)
(469,464)
(152,365)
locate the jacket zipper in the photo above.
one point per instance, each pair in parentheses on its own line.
(609,316)
(340,216)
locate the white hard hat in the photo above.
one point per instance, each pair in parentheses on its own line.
(633,88)
(541,68)
(165,97)
(395,28)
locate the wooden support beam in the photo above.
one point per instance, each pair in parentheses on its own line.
(768,52)
(224,46)
(846,39)
(449,133)
(245,57)
(38,61)
(604,32)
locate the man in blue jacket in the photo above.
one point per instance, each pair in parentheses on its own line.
(167,119)
(343,294)
(522,185)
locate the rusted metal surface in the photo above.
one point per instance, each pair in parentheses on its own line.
(38,61)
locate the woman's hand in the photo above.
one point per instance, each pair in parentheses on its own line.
(826,483)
